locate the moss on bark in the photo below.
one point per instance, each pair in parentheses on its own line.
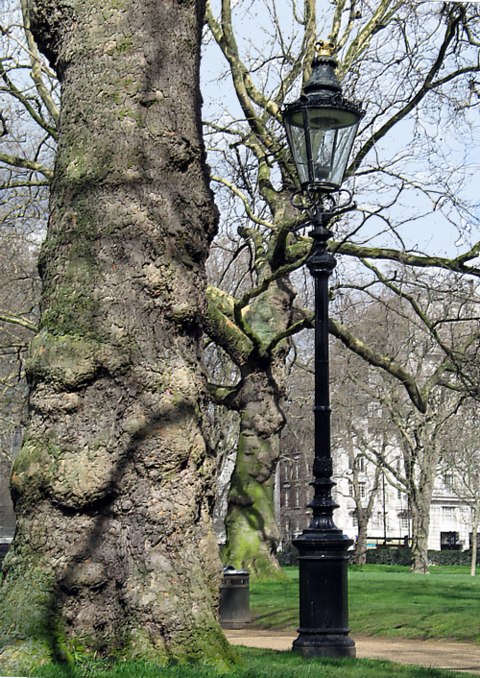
(252,533)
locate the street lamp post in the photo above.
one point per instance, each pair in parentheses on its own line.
(321,127)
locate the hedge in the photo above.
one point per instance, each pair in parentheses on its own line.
(391,556)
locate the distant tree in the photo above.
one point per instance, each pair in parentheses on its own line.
(18,316)
(417,328)
(353,435)
(461,461)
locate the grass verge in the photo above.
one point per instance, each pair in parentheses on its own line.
(262,664)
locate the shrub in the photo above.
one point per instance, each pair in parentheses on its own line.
(385,555)
(451,557)
(288,556)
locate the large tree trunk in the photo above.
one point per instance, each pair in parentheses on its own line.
(114,552)
(251,528)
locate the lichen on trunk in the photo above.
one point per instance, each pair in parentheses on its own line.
(114,554)
(251,528)
(252,533)
(252,334)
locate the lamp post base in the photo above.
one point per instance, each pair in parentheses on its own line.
(310,644)
(323,563)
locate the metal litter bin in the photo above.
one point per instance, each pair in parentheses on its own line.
(4,546)
(235,598)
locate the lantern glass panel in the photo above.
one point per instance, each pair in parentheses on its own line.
(321,140)
(332,133)
(294,126)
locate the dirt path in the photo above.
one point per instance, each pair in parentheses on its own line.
(439,654)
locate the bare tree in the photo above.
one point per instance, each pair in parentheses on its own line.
(413,64)
(419,325)
(461,461)
(353,436)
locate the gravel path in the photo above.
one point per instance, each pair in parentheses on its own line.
(439,654)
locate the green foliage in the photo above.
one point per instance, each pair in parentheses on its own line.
(451,558)
(386,601)
(256,664)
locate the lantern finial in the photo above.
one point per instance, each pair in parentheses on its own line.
(325,48)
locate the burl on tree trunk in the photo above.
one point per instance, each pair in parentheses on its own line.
(114,551)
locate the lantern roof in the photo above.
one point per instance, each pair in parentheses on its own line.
(323,87)
(321,126)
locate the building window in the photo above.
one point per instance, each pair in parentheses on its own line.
(297,497)
(449,541)
(287,496)
(448,481)
(404,521)
(354,519)
(362,489)
(356,462)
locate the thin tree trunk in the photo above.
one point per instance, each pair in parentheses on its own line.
(114,552)
(361,543)
(420,502)
(475,524)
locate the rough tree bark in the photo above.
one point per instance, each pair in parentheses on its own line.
(251,528)
(114,552)
(420,502)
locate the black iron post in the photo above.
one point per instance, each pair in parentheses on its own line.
(321,126)
(322,547)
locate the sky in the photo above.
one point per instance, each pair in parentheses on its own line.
(435,229)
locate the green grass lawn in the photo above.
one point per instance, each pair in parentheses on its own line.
(386,601)
(264,664)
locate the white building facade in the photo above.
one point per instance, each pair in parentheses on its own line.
(390,521)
